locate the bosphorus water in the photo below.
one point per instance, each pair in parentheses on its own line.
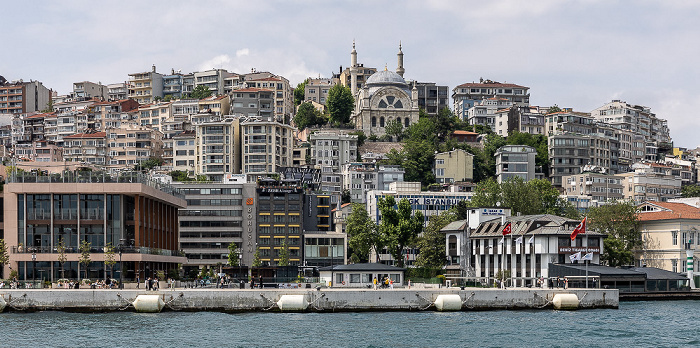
(638,324)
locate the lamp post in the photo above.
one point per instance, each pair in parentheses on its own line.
(33,267)
(121,265)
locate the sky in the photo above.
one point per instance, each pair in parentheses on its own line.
(577,54)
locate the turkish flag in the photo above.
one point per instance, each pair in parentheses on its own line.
(506,229)
(581,228)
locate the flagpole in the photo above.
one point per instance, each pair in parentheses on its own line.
(510,254)
(586,248)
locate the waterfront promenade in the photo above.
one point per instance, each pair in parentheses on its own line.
(321,300)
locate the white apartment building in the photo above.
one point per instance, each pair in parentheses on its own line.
(218,148)
(266,146)
(635,118)
(333,148)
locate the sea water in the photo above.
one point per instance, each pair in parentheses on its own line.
(634,324)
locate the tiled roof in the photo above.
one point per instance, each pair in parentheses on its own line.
(86,135)
(266,79)
(463,132)
(669,211)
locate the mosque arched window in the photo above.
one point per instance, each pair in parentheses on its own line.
(407,122)
(374,121)
(381,122)
(390,101)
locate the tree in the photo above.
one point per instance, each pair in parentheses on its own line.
(200,92)
(620,222)
(345,196)
(307,116)
(62,258)
(399,227)
(109,258)
(417,159)
(553,109)
(299,92)
(4,256)
(432,243)
(688,191)
(233,255)
(283,255)
(486,194)
(256,258)
(85,255)
(340,104)
(180,176)
(148,164)
(361,137)
(394,128)
(362,233)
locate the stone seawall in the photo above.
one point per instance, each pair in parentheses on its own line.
(314,300)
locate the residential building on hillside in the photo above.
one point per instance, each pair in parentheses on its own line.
(212,79)
(145,86)
(216,105)
(333,148)
(516,161)
(599,188)
(218,149)
(524,119)
(644,184)
(132,144)
(635,118)
(173,84)
(267,147)
(283,94)
(453,166)
(467,95)
(484,112)
(88,90)
(111,114)
(432,98)
(153,115)
(316,89)
(39,151)
(88,148)
(183,152)
(140,215)
(252,102)
(19,97)
(360,178)
(117,91)
(217,214)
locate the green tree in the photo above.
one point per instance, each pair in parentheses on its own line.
(361,137)
(399,226)
(432,243)
(85,255)
(417,159)
(520,197)
(180,176)
(620,222)
(345,196)
(256,258)
(110,260)
(232,254)
(4,256)
(200,92)
(340,104)
(688,191)
(486,194)
(362,233)
(283,255)
(553,109)
(148,164)
(307,116)
(394,128)
(299,92)
(62,258)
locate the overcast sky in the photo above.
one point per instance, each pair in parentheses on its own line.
(578,54)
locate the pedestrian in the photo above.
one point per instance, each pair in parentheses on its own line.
(252,282)
(391,284)
(375,283)
(566,283)
(409,283)
(260,281)
(138,281)
(145,283)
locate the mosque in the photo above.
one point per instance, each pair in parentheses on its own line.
(383,98)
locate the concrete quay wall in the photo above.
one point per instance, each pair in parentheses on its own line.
(322,300)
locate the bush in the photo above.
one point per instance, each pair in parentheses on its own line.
(423,272)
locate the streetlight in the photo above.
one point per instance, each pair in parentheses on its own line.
(33,267)
(121,266)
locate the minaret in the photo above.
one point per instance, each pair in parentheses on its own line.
(353,70)
(400,70)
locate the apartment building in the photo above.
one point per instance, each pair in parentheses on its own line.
(173,85)
(467,95)
(132,144)
(599,187)
(145,86)
(360,178)
(183,153)
(484,112)
(212,79)
(111,114)
(267,146)
(19,97)
(333,148)
(39,151)
(218,149)
(280,207)
(516,161)
(253,102)
(87,148)
(644,184)
(431,97)
(88,90)
(524,119)
(283,94)
(636,118)
(117,91)
(154,115)
(453,166)
(316,89)
(216,105)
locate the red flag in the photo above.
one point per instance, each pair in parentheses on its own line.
(506,229)
(581,228)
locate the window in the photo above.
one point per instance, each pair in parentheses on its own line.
(674,236)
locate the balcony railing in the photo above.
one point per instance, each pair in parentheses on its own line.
(74,250)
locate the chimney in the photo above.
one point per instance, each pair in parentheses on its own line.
(153,68)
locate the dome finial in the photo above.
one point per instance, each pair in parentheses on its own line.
(385,66)
(399,45)
(353,44)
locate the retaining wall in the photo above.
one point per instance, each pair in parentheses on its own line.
(318,300)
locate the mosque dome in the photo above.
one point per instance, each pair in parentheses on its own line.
(386,77)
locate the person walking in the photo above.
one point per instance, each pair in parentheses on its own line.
(138,281)
(375,283)
(145,283)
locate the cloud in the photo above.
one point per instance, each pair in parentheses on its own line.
(242,52)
